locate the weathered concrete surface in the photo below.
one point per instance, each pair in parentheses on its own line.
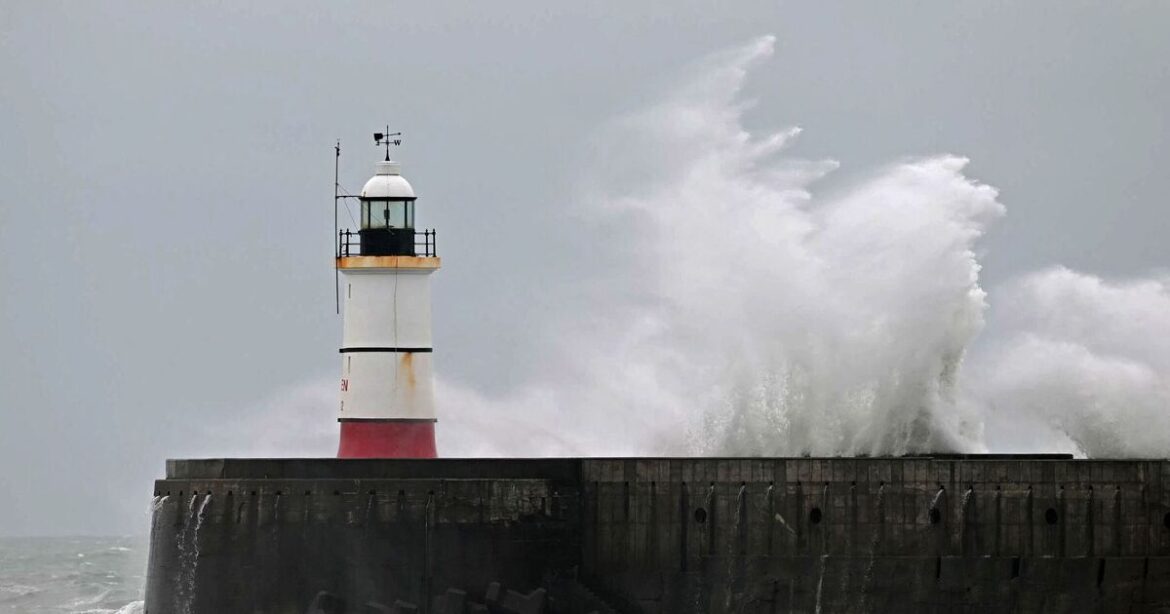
(978,534)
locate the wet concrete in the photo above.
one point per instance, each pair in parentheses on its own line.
(663,535)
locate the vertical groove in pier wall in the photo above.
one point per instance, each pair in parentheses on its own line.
(667,535)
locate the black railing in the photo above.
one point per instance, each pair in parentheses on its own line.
(349,243)
(427,246)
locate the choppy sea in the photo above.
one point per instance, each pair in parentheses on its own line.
(81,575)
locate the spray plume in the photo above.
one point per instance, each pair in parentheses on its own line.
(752,314)
(754,311)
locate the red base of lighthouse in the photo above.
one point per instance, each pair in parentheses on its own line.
(390,439)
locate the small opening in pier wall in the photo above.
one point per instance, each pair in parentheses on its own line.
(935,515)
(700,515)
(1166,520)
(1050,516)
(814,515)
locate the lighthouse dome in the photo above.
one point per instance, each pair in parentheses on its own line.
(388,182)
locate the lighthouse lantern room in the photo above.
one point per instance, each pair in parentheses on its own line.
(387,406)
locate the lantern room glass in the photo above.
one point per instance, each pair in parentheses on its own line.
(383,213)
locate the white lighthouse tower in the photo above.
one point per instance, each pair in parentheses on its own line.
(387,407)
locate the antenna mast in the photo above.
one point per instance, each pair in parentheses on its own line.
(336,231)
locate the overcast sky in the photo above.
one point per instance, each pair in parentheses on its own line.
(166,169)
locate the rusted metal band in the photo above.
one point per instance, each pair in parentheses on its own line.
(388,262)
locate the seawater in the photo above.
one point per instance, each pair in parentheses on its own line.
(76,575)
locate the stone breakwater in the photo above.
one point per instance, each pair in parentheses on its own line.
(656,535)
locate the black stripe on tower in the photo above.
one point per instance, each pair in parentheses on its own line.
(387,419)
(383,349)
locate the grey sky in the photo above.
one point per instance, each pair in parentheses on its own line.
(165,224)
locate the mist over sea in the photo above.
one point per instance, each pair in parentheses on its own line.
(75,575)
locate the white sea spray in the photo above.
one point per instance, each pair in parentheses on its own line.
(750,314)
(749,301)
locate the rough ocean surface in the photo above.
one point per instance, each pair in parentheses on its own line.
(75,575)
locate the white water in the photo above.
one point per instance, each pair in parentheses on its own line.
(749,301)
(752,314)
(937,498)
(758,311)
(188,545)
(1078,363)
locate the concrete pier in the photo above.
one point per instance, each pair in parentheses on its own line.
(662,535)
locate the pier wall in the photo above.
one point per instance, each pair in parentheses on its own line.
(855,535)
(985,534)
(268,536)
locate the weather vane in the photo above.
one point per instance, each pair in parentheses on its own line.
(387,139)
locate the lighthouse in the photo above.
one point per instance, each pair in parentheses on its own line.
(387,405)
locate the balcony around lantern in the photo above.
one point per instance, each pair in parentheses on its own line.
(386,242)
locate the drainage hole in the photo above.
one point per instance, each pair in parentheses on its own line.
(814,515)
(935,515)
(700,515)
(1050,516)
